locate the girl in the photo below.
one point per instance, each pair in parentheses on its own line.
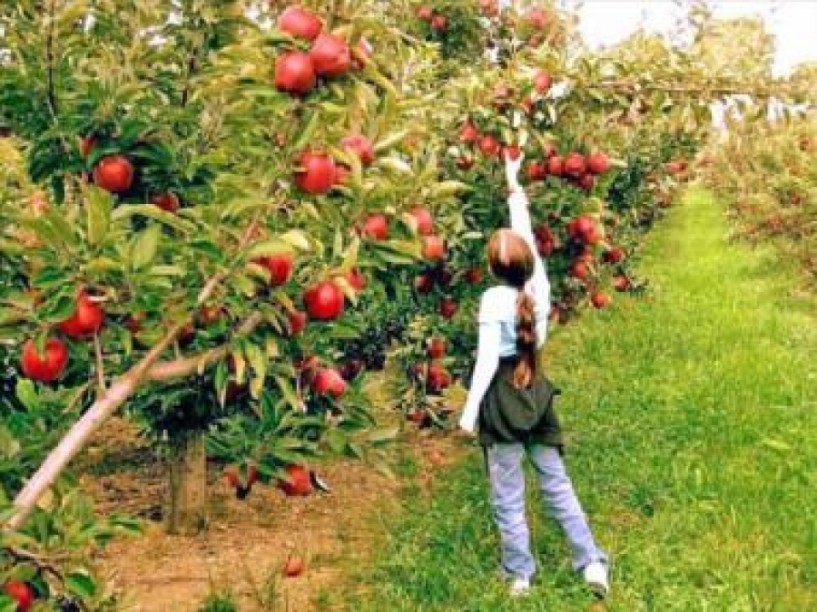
(512,401)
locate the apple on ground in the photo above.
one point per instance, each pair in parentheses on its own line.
(294,566)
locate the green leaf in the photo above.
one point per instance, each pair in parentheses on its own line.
(395,164)
(448,188)
(274,246)
(27,394)
(308,131)
(383,435)
(149,211)
(145,247)
(81,584)
(297,239)
(288,391)
(100,205)
(389,141)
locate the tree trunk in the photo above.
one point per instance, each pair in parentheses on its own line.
(186,508)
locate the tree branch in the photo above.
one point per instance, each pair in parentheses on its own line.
(179,368)
(23,556)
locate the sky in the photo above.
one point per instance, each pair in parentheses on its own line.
(793,22)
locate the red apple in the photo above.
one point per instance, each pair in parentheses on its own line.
(438,378)
(489,8)
(468,133)
(21,593)
(376,227)
(356,279)
(448,307)
(300,23)
(512,152)
(614,255)
(436,348)
(424,219)
(555,166)
(444,276)
(360,146)
(579,270)
(423,283)
(114,173)
(317,173)
(586,182)
(167,201)
(600,299)
(542,82)
(579,227)
(86,320)
(295,73)
(44,368)
(433,248)
(134,322)
(439,23)
(425,12)
(279,267)
(351,369)
(342,173)
(330,55)
(297,483)
(536,170)
(465,162)
(209,314)
(621,282)
(294,566)
(489,145)
(473,276)
(328,381)
(538,18)
(598,163)
(297,322)
(324,301)
(575,165)
(593,235)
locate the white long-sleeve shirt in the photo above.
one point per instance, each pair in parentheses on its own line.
(497,315)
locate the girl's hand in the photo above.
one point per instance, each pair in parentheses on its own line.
(512,167)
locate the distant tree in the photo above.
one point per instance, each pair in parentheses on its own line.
(730,48)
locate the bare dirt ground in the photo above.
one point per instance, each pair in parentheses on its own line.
(248,542)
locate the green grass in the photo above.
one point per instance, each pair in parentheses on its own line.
(691,416)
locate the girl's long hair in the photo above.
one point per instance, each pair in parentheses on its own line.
(511,260)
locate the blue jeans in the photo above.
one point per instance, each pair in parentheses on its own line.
(508,499)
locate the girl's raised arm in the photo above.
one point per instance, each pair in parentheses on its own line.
(539,285)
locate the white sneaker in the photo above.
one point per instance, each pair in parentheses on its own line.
(519,587)
(595,575)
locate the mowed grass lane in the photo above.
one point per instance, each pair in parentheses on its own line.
(693,428)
